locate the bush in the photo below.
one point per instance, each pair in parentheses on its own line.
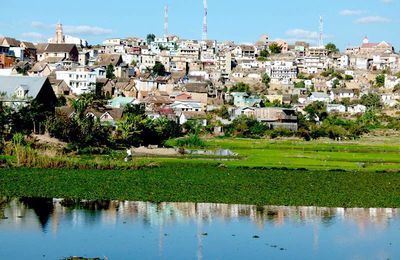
(191,141)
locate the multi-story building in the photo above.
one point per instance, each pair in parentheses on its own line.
(80,81)
(281,71)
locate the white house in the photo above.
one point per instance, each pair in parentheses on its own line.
(338,108)
(356,109)
(80,81)
(281,71)
(319,96)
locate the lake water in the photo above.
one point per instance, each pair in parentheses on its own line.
(55,229)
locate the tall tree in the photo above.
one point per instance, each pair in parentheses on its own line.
(266,80)
(110,72)
(275,48)
(331,48)
(159,69)
(150,38)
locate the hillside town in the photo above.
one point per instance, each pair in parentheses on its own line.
(213,83)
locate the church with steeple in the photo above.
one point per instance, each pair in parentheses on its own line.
(59,36)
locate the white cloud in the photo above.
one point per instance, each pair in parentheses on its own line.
(72,29)
(348,12)
(302,34)
(372,19)
(86,30)
(32,35)
(387,1)
(40,25)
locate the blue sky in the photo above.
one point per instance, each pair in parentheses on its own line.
(346,21)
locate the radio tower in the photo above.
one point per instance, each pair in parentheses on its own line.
(166,20)
(205,28)
(321,31)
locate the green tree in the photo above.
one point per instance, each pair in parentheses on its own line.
(380,80)
(150,38)
(300,84)
(335,83)
(275,48)
(241,87)
(371,100)
(159,69)
(264,53)
(316,111)
(266,80)
(396,88)
(110,72)
(348,77)
(331,48)
(224,112)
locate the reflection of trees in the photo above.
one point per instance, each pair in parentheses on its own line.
(3,203)
(42,207)
(86,204)
(158,214)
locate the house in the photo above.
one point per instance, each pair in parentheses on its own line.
(40,69)
(184,117)
(20,90)
(6,61)
(121,102)
(245,51)
(338,108)
(274,117)
(187,105)
(60,87)
(198,91)
(342,93)
(369,48)
(319,96)
(154,100)
(356,109)
(79,81)
(127,89)
(64,51)
(104,60)
(242,99)
(108,116)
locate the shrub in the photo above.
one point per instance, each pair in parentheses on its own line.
(191,141)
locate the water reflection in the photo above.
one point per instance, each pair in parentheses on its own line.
(55,228)
(154,214)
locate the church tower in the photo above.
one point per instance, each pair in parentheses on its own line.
(59,36)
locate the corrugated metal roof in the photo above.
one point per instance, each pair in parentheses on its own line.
(8,84)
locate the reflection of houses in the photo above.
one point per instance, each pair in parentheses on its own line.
(109,212)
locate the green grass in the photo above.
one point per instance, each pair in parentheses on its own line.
(209,183)
(364,155)
(287,172)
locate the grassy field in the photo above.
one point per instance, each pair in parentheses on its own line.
(370,154)
(209,183)
(286,172)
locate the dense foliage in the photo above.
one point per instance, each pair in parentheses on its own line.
(188,182)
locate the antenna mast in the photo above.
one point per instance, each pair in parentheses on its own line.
(205,28)
(166,20)
(321,31)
